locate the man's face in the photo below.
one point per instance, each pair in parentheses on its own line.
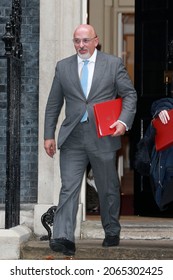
(85,41)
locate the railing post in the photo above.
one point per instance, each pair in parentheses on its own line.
(13,54)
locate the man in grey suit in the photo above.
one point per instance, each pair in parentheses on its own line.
(78,141)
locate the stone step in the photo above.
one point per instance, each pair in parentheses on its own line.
(91,249)
(132,228)
(141,238)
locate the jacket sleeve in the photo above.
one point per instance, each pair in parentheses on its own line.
(53,107)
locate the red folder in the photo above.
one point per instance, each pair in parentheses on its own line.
(106,113)
(164,132)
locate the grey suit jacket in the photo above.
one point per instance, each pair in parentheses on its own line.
(110,79)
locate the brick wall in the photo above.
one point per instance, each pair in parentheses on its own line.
(29,99)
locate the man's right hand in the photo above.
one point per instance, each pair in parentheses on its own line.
(50,147)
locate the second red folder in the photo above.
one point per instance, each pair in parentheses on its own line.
(164,132)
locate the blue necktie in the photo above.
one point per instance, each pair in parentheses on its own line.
(84,84)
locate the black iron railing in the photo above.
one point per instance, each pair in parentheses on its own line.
(13,57)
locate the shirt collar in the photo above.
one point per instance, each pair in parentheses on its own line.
(91,59)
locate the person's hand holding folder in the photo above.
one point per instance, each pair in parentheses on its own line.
(120,128)
(164,116)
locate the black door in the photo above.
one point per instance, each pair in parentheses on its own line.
(153,34)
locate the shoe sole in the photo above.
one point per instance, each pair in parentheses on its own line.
(62,249)
(110,245)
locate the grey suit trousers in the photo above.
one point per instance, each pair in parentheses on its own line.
(77,151)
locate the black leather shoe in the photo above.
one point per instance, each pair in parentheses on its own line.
(111,241)
(63,245)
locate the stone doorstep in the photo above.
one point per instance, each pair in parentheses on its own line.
(139,229)
(91,249)
(139,239)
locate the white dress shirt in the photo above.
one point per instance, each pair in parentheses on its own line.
(91,66)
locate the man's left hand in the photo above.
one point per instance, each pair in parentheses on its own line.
(120,128)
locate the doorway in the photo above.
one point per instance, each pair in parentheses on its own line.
(115,22)
(152,61)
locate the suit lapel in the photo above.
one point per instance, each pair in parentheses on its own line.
(74,72)
(98,72)
(75,77)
